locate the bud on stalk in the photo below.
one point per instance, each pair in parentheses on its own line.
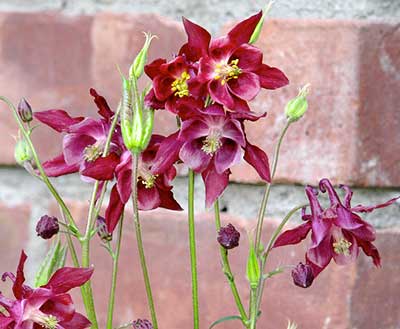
(303,275)
(253,270)
(22,152)
(296,107)
(137,67)
(24,110)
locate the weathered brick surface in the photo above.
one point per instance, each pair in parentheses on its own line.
(350,133)
(336,300)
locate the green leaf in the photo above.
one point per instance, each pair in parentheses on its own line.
(226,318)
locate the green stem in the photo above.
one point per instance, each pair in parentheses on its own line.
(261,213)
(264,257)
(192,242)
(227,269)
(253,308)
(135,162)
(111,301)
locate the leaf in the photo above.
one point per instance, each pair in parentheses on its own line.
(226,318)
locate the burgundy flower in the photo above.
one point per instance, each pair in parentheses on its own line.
(47,227)
(303,275)
(49,306)
(83,144)
(172,82)
(154,189)
(231,69)
(228,237)
(337,232)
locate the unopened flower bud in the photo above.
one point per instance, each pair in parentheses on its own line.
(24,110)
(253,270)
(22,152)
(303,275)
(137,67)
(296,107)
(228,237)
(102,231)
(142,324)
(47,226)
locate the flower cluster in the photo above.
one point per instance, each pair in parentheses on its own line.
(337,232)
(49,306)
(208,86)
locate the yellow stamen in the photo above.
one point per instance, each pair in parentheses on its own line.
(92,152)
(180,86)
(211,144)
(226,72)
(342,246)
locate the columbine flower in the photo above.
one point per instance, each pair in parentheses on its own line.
(337,232)
(231,68)
(47,227)
(228,237)
(142,324)
(49,306)
(154,189)
(303,275)
(83,144)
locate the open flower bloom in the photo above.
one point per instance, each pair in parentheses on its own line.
(49,306)
(229,66)
(83,143)
(210,143)
(154,189)
(336,232)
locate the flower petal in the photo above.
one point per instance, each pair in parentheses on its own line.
(148,198)
(102,105)
(102,168)
(167,154)
(78,321)
(370,250)
(293,236)
(58,167)
(258,159)
(220,93)
(124,176)
(227,155)
(241,32)
(361,208)
(215,184)
(321,254)
(153,69)
(151,101)
(193,156)
(114,209)
(342,259)
(246,86)
(67,278)
(232,129)
(74,146)
(271,77)
(250,57)
(193,129)
(18,288)
(198,41)
(162,87)
(168,201)
(59,120)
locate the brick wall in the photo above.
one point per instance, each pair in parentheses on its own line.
(350,134)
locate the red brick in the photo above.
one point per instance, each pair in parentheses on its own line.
(46,58)
(350,131)
(336,297)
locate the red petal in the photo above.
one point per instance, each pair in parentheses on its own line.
(59,120)
(321,255)
(153,68)
(246,86)
(17,288)
(198,41)
(241,33)
(220,93)
(227,155)
(361,208)
(148,198)
(250,57)
(102,105)
(101,169)
(293,236)
(58,167)
(370,250)
(77,322)
(168,201)
(67,278)
(193,156)
(167,154)
(271,77)
(114,209)
(215,184)
(258,159)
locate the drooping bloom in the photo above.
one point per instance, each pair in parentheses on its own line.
(154,189)
(337,232)
(49,306)
(303,275)
(83,143)
(47,227)
(231,68)
(228,237)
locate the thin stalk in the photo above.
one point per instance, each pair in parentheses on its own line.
(261,213)
(253,308)
(226,267)
(264,257)
(111,301)
(192,245)
(135,162)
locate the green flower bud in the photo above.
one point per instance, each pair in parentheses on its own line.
(22,152)
(137,67)
(136,121)
(296,107)
(256,34)
(24,110)
(253,270)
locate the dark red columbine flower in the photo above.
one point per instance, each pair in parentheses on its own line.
(83,143)
(172,82)
(303,275)
(337,232)
(229,66)
(154,189)
(47,227)
(49,306)
(228,237)
(142,324)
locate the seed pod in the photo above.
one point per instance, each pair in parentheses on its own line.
(253,268)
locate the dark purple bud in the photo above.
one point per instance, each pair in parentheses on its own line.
(228,237)
(303,275)
(142,324)
(102,231)
(24,110)
(47,226)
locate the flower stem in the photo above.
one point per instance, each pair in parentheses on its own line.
(261,213)
(192,245)
(111,301)
(135,162)
(253,308)
(226,267)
